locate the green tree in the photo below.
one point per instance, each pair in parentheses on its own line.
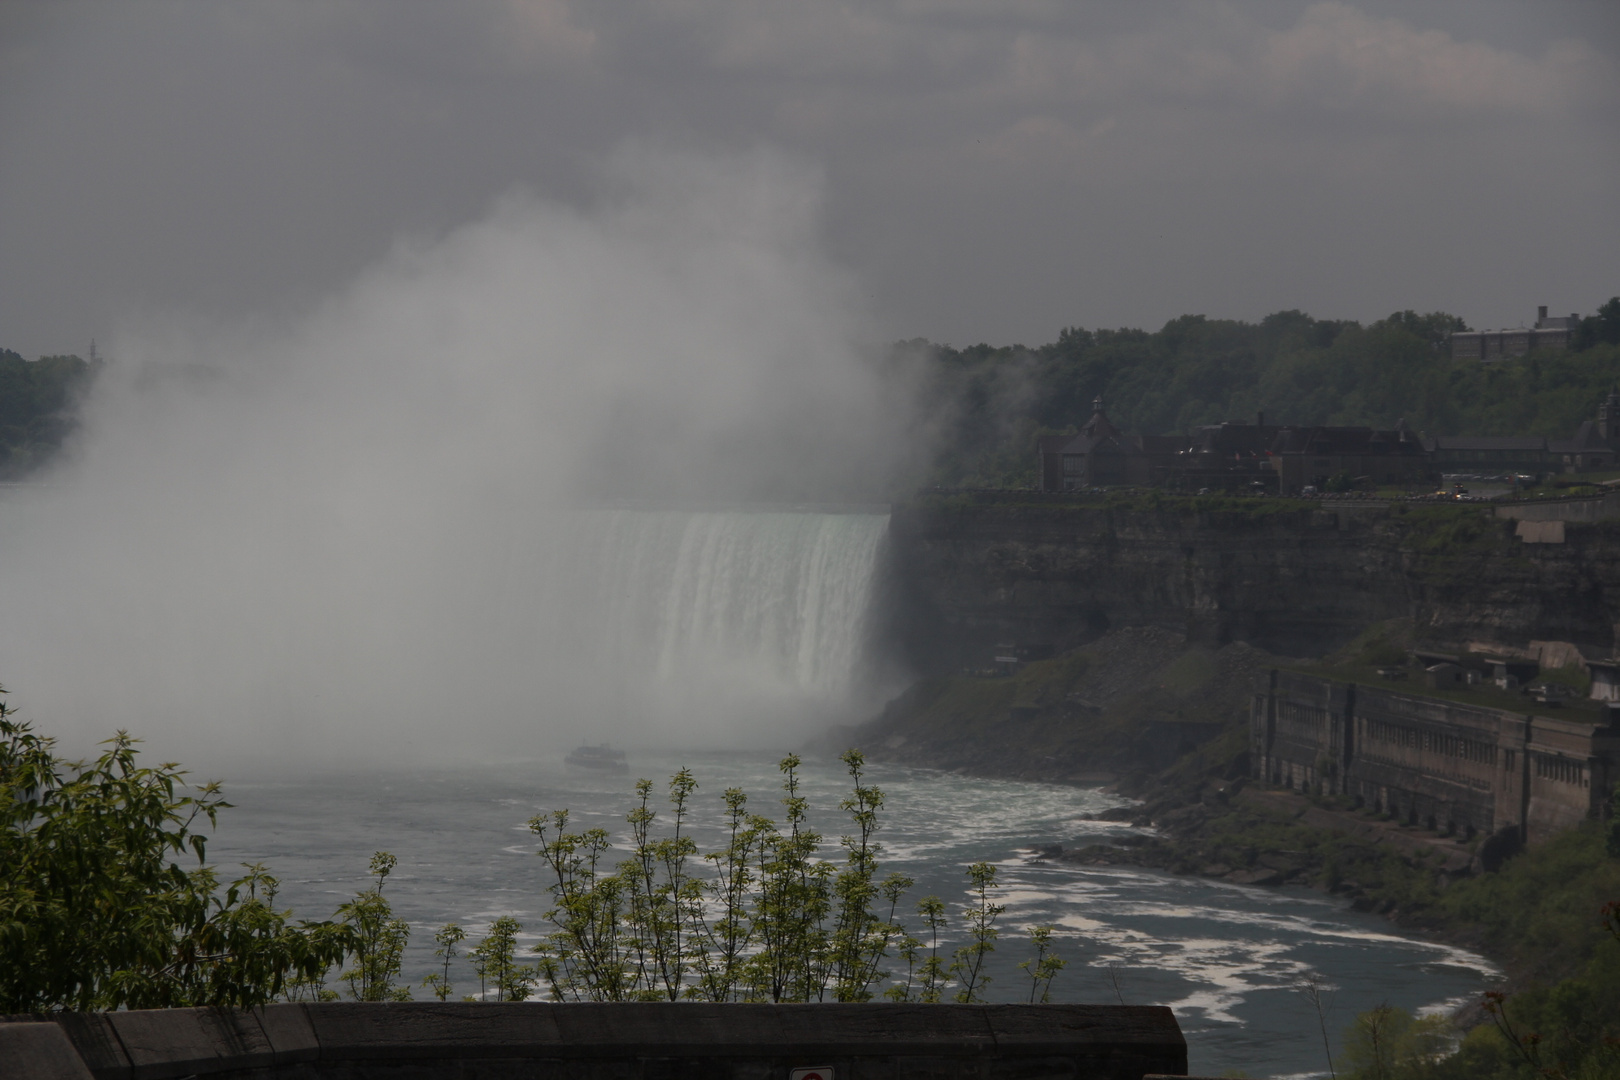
(496,954)
(1044,966)
(774,920)
(967,966)
(791,904)
(379,939)
(660,893)
(860,938)
(1602,328)
(97,910)
(38,403)
(448,937)
(1387,1043)
(720,944)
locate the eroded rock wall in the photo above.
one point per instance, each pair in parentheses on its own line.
(1297,580)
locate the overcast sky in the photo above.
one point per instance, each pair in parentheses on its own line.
(988,170)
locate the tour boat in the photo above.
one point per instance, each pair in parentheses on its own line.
(601,758)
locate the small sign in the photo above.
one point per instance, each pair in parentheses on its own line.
(812,1072)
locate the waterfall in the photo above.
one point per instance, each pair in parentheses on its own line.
(516,630)
(712,612)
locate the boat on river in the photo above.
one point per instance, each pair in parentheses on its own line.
(602,758)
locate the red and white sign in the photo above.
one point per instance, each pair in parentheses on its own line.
(813,1072)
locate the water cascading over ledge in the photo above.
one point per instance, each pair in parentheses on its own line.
(766,612)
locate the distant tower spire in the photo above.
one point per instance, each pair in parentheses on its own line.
(93,356)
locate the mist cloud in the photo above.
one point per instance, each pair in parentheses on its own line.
(331,538)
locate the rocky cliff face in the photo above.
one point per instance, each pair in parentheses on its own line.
(1296,579)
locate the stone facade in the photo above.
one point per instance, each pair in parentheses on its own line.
(1432,762)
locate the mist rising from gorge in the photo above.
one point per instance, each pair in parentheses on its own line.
(338,539)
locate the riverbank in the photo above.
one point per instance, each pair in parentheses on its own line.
(1536,913)
(1162,720)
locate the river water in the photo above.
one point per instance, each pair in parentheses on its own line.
(1230,960)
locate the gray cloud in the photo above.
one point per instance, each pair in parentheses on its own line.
(994,171)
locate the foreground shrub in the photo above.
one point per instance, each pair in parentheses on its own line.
(97,910)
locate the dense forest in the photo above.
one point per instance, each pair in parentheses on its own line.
(991,403)
(37,404)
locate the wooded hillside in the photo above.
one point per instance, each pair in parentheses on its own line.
(992,402)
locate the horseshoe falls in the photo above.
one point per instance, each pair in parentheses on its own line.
(711,623)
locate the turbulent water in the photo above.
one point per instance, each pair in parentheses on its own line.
(1228,959)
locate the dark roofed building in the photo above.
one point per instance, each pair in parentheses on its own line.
(1229,455)
(1308,456)
(1099,456)
(1490,454)
(1239,455)
(1102,456)
(1587,450)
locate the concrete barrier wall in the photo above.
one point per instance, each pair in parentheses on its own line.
(641,1041)
(1599,508)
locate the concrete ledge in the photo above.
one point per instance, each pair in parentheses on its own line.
(92,1036)
(290,1034)
(38,1051)
(632,1041)
(166,1043)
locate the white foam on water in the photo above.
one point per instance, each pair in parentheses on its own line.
(1228,959)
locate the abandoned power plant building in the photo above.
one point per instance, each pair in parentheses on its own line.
(1447,765)
(1288,458)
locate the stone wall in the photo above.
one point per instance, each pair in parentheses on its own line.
(1599,508)
(633,1041)
(1442,764)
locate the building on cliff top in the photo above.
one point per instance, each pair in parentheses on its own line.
(1311,455)
(1101,456)
(1442,764)
(1549,332)
(1287,459)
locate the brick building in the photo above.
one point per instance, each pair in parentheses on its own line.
(1101,456)
(1311,455)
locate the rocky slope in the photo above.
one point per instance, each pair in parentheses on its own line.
(1126,705)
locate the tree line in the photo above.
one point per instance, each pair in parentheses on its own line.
(988,404)
(38,406)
